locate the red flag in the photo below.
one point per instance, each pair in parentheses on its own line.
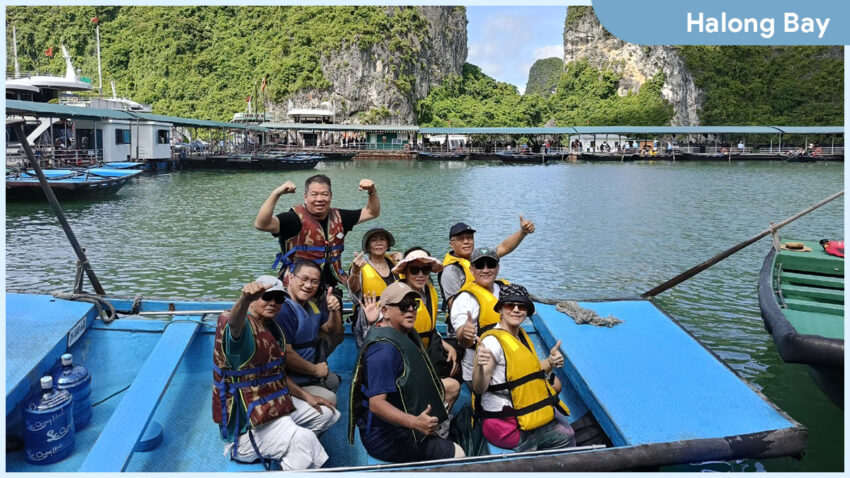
(49,52)
(249,99)
(263,88)
(94,20)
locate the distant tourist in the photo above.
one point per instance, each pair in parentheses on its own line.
(526,416)
(250,372)
(314,230)
(456,272)
(396,396)
(741,146)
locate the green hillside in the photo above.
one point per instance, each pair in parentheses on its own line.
(543,76)
(204,61)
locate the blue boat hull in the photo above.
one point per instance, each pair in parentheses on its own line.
(152,371)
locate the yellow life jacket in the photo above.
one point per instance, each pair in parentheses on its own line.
(426,320)
(487,317)
(532,397)
(371,281)
(464,263)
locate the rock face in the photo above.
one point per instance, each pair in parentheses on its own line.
(387,79)
(543,77)
(586,39)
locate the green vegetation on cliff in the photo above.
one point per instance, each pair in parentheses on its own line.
(203,61)
(757,85)
(584,96)
(543,76)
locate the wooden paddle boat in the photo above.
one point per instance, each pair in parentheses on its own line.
(801,297)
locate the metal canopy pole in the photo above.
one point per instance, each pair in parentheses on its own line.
(51,197)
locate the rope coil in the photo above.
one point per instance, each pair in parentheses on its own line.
(581,316)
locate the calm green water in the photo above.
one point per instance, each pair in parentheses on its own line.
(603,231)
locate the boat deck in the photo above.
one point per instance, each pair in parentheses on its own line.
(646,381)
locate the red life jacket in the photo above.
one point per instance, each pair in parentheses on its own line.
(261,381)
(311,244)
(834,248)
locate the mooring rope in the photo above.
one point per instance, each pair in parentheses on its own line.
(101,303)
(581,316)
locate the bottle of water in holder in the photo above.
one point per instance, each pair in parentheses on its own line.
(77,380)
(48,424)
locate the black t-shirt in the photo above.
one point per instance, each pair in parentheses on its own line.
(290,226)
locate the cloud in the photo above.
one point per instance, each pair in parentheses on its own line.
(549,51)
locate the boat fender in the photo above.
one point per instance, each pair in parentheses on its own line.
(151,439)
(833,248)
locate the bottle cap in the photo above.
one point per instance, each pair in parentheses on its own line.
(46,382)
(67,359)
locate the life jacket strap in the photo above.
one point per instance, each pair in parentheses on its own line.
(265,399)
(509,412)
(540,374)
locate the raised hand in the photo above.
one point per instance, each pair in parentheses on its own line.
(483,355)
(555,356)
(525,225)
(425,423)
(358,262)
(470,329)
(367,185)
(286,188)
(370,308)
(332,301)
(253,291)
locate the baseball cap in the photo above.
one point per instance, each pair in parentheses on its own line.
(481,252)
(395,292)
(275,283)
(460,228)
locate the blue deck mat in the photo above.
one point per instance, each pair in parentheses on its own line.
(41,323)
(657,383)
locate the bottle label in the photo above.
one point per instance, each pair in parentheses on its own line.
(76,332)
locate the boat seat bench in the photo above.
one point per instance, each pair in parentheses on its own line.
(812,306)
(806,292)
(115,446)
(831,282)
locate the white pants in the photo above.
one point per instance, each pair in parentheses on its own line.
(291,439)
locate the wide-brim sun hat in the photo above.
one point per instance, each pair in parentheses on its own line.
(421,256)
(364,243)
(514,293)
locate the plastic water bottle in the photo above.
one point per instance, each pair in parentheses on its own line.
(48,424)
(77,380)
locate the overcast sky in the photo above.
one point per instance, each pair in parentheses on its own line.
(506,41)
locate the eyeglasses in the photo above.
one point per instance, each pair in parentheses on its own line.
(487,262)
(515,305)
(463,238)
(416,270)
(308,280)
(278,297)
(407,304)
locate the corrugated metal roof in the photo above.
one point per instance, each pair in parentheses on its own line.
(343,127)
(79,112)
(498,131)
(811,129)
(19,107)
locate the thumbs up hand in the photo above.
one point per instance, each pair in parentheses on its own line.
(332,301)
(555,357)
(526,226)
(470,328)
(425,423)
(483,355)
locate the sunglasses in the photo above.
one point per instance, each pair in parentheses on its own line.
(487,262)
(407,304)
(277,297)
(416,270)
(515,305)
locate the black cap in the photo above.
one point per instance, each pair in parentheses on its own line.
(514,293)
(460,228)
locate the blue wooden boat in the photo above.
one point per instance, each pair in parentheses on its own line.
(801,297)
(654,393)
(125,165)
(272,162)
(68,183)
